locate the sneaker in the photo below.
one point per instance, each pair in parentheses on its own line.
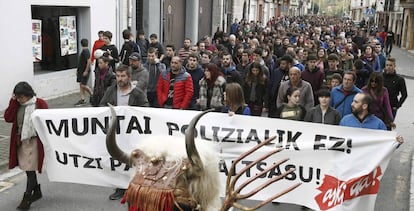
(118,194)
(80,102)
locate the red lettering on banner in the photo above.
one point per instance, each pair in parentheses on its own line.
(334,191)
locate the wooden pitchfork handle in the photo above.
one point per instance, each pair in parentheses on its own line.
(233,195)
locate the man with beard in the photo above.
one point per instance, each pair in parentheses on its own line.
(140,74)
(185,50)
(361,115)
(229,70)
(175,86)
(123,93)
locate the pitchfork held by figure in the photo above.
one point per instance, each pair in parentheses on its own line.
(173,174)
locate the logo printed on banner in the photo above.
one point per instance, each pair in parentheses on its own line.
(335,192)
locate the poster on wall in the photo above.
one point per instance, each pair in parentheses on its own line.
(37,40)
(68,40)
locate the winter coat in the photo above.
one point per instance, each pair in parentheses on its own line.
(396,86)
(370,122)
(380,105)
(217,96)
(342,103)
(137,97)
(306,94)
(331,117)
(10,115)
(183,89)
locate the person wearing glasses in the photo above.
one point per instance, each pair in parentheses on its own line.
(26,149)
(381,106)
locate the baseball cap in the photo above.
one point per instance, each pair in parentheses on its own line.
(135,56)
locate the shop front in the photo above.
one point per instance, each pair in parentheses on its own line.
(42,42)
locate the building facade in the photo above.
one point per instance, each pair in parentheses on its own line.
(41,41)
(394,15)
(407,31)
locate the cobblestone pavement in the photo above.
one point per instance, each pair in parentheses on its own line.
(66,101)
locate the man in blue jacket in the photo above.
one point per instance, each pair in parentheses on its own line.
(343,95)
(361,115)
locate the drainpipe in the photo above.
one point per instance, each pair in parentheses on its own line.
(118,31)
(401,29)
(191,20)
(162,19)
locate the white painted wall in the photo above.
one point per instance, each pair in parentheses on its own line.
(16,58)
(16,49)
(253,10)
(217,15)
(237,9)
(103,18)
(84,3)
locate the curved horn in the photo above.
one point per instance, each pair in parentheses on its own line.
(192,152)
(111,145)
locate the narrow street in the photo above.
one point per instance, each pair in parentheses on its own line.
(394,192)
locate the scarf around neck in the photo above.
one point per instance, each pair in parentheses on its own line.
(28,129)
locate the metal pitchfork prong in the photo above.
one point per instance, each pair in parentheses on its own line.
(233,195)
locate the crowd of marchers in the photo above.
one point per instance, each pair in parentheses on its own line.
(306,68)
(316,69)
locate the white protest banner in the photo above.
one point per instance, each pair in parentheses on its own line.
(339,168)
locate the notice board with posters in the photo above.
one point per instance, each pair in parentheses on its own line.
(68,36)
(37,40)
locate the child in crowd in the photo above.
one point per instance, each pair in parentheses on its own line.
(323,113)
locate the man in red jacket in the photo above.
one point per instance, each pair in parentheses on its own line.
(175,86)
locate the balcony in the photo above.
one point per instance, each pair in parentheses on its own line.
(408,4)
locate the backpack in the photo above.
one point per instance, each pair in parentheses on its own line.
(127,49)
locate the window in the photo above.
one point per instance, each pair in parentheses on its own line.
(54,30)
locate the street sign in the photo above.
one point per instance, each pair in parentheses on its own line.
(370,12)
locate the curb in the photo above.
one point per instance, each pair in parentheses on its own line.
(411,208)
(407,76)
(4,166)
